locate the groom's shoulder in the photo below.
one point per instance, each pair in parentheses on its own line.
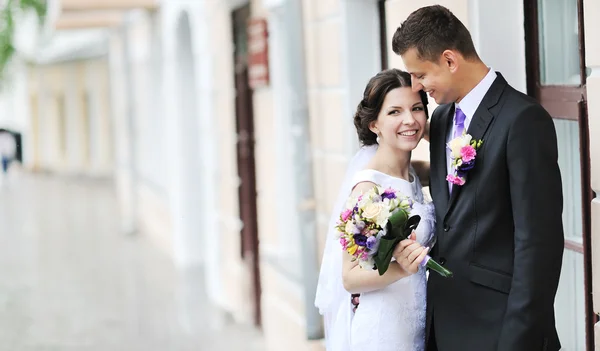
(517,103)
(516,107)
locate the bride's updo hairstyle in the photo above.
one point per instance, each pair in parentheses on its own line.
(375,92)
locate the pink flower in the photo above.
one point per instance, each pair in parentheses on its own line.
(467,153)
(344,242)
(346,214)
(455,180)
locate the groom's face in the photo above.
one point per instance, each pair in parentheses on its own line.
(435,78)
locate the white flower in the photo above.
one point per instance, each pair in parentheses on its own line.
(368,264)
(457,144)
(404,203)
(350,227)
(363,201)
(382,218)
(372,210)
(351,202)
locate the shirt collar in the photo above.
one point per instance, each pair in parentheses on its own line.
(472,100)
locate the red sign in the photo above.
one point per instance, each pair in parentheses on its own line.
(258,53)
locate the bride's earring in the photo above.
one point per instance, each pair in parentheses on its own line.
(378,139)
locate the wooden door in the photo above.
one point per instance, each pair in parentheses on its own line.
(245,155)
(556,76)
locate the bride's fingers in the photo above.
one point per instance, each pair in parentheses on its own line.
(408,251)
(415,254)
(417,262)
(404,248)
(404,243)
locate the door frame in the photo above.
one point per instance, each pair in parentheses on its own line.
(567,102)
(246,158)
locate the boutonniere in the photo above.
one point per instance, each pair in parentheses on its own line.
(463,150)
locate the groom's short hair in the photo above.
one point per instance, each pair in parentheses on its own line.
(432,30)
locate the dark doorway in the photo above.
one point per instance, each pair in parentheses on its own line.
(19,149)
(245,155)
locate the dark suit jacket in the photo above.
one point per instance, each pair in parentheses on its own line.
(501,233)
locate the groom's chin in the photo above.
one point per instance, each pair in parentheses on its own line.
(439,100)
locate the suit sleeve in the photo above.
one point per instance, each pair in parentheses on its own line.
(537,203)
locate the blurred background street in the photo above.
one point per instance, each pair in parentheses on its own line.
(69,280)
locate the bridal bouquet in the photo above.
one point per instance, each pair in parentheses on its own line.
(374,223)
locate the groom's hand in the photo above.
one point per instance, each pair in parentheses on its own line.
(409,254)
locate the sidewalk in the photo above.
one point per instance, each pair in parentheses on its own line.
(69,281)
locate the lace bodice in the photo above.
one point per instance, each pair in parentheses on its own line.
(393,318)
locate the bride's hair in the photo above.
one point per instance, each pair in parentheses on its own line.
(375,92)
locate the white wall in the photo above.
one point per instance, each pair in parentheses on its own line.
(362,56)
(498,31)
(187,252)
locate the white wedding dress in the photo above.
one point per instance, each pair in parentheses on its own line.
(389,319)
(393,318)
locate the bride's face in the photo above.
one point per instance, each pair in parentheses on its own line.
(402,119)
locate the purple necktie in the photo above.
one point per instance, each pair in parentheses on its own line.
(459,127)
(459,122)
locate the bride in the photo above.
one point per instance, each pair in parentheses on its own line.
(390,122)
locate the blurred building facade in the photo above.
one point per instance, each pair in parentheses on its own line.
(227,126)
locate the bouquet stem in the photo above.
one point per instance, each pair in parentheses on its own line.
(434,266)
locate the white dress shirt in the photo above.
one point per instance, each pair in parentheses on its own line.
(469,105)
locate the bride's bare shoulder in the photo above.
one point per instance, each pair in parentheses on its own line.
(362,187)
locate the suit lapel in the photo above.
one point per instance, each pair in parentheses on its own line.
(479,125)
(447,116)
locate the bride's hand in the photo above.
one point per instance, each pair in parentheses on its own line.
(409,254)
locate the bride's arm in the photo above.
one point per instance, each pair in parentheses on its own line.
(359,280)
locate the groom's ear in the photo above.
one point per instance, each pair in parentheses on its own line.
(450,59)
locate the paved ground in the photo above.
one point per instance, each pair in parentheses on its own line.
(70,281)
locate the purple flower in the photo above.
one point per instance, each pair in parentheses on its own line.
(461,173)
(360,239)
(389,194)
(467,166)
(371,241)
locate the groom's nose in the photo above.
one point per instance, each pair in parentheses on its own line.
(416,86)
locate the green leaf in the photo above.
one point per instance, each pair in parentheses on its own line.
(398,228)
(438,268)
(7,26)
(397,219)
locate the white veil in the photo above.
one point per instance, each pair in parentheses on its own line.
(332,299)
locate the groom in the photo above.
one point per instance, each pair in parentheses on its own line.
(500,232)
